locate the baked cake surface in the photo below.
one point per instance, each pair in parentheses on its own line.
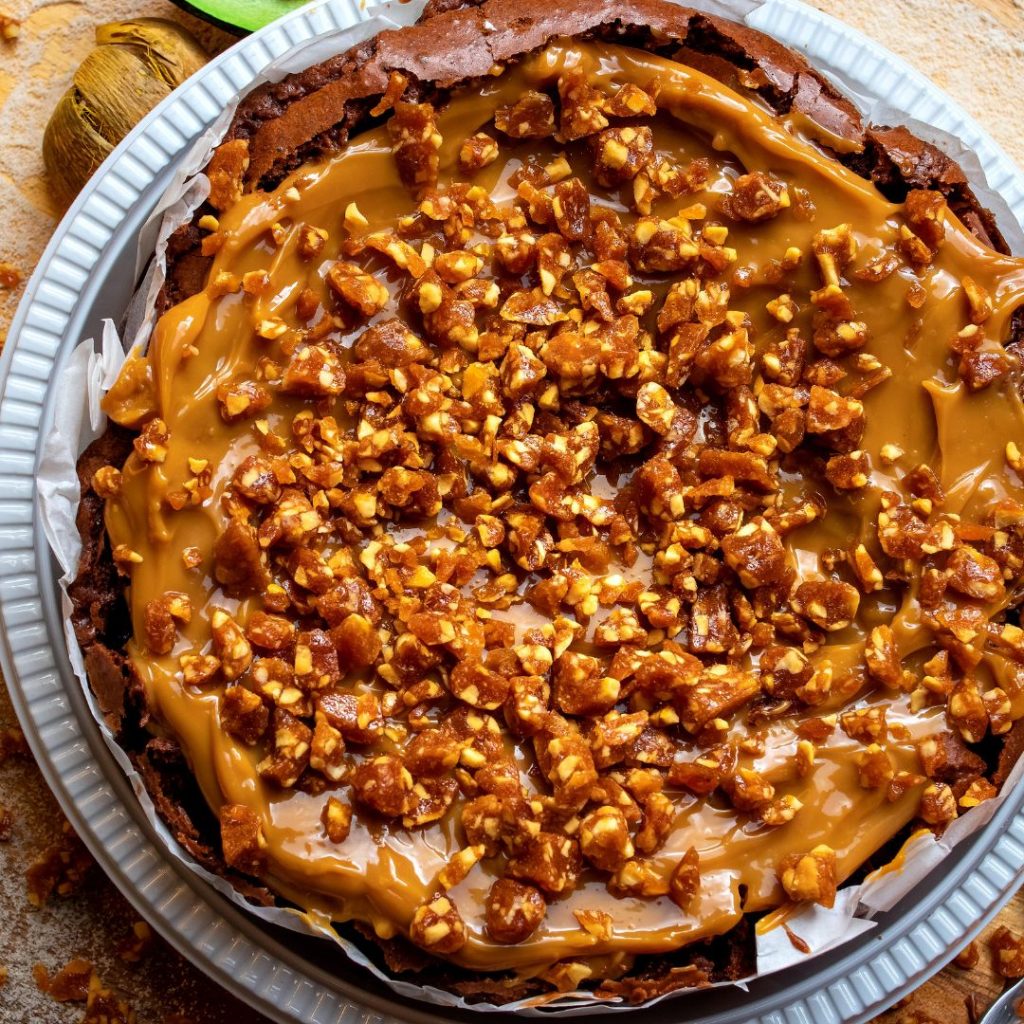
(570,501)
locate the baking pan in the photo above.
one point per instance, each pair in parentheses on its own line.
(87,273)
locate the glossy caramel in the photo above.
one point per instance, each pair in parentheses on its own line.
(380,874)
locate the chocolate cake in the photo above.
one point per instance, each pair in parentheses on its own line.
(570,505)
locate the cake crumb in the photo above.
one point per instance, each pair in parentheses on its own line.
(132,949)
(968,956)
(60,869)
(12,744)
(69,985)
(103,1006)
(10,276)
(1007,953)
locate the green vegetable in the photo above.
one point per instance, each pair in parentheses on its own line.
(239,15)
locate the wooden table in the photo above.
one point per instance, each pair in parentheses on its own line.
(971,49)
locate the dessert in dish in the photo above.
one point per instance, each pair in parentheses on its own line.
(570,504)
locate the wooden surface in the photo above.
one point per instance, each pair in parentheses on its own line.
(972,49)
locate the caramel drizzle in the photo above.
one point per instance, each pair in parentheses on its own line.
(380,875)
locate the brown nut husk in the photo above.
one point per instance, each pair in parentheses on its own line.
(135,65)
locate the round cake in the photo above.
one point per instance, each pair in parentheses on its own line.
(570,504)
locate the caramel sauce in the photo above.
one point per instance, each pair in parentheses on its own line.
(380,874)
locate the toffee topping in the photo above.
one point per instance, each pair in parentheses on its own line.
(574,517)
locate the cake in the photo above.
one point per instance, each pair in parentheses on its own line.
(571,502)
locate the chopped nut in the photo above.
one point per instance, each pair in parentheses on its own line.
(638,878)
(974,574)
(826,603)
(597,923)
(604,838)
(882,657)
(874,767)
(477,152)
(151,444)
(243,715)
(160,615)
(415,142)
(621,153)
(1007,953)
(438,927)
(756,553)
(226,171)
(755,197)
(513,911)
(548,861)
(337,819)
(106,482)
(938,805)
(532,116)
(230,645)
(357,289)
(684,885)
(968,957)
(241,832)
(384,785)
(810,877)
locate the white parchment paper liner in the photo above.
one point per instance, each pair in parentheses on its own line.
(92,369)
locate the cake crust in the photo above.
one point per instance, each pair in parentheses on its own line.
(315,112)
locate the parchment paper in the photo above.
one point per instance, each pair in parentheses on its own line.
(92,369)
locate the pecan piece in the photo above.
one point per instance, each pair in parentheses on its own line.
(337,819)
(755,197)
(415,142)
(241,837)
(604,838)
(755,552)
(810,877)
(437,927)
(532,116)
(550,861)
(828,604)
(513,911)
(621,153)
(684,883)
(384,785)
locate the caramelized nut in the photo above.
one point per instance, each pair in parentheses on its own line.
(438,927)
(337,819)
(604,838)
(242,840)
(810,877)
(513,911)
